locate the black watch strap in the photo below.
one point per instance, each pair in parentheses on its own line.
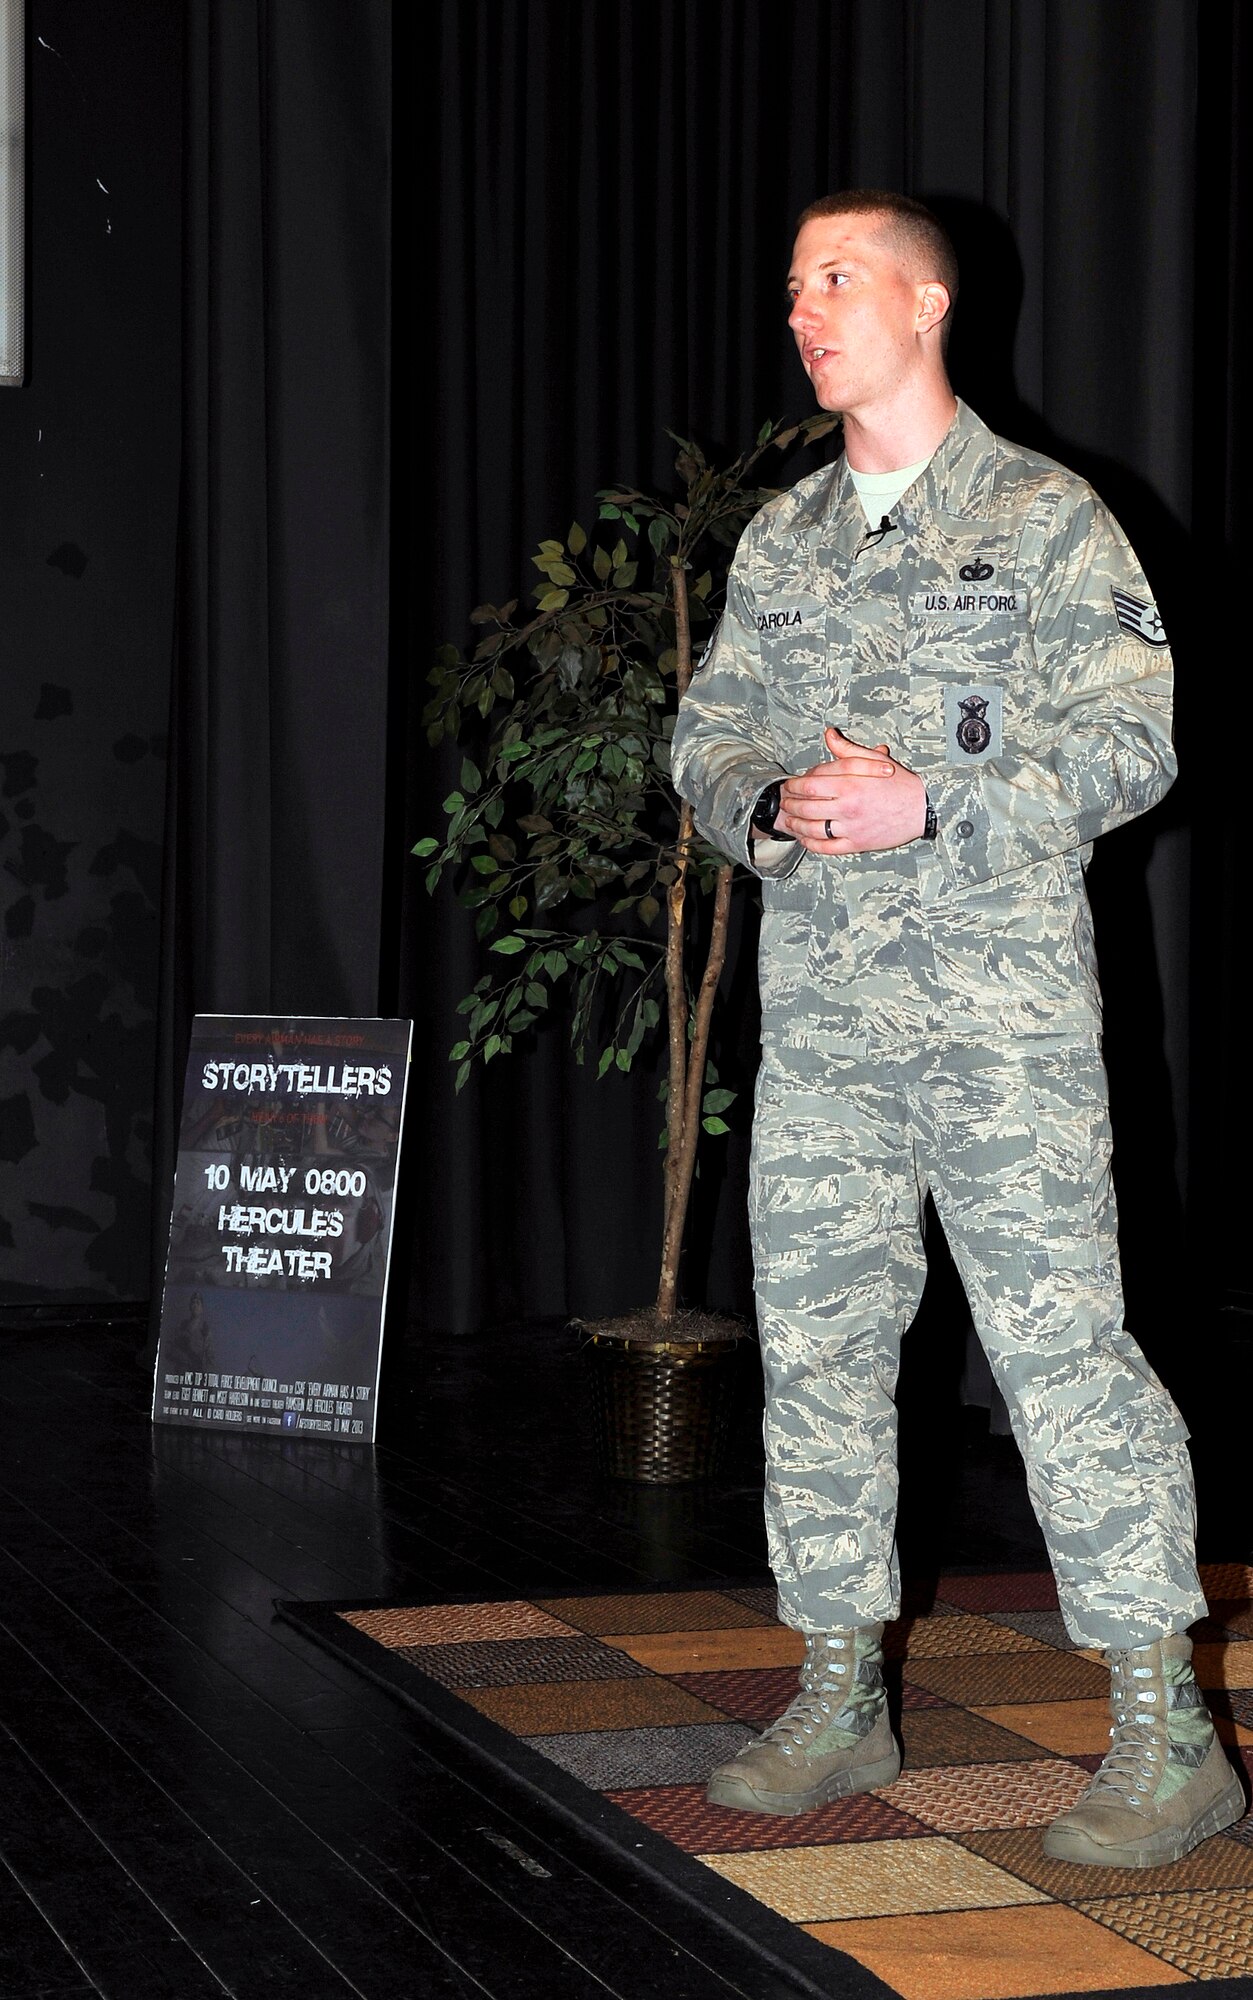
(931,825)
(766,811)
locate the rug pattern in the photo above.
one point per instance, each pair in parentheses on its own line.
(937,1884)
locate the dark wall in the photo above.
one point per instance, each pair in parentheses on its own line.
(89,464)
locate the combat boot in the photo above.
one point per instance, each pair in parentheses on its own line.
(833,1739)
(1165,1784)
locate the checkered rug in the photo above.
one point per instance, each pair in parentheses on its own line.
(936,1885)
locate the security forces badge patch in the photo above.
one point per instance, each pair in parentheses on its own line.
(972,724)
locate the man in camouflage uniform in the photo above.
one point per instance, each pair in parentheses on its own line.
(939,676)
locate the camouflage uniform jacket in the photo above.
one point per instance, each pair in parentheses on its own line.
(1001,639)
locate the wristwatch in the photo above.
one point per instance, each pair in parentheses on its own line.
(931,825)
(766,812)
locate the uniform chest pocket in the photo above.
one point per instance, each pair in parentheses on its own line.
(805,684)
(968,610)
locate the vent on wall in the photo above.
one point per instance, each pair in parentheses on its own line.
(12,218)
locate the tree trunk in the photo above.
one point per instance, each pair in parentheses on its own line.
(687,1063)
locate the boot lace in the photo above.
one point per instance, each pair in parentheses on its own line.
(1136,1758)
(824,1692)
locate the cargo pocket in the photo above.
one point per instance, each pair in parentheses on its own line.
(1073,1147)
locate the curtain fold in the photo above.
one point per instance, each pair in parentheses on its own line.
(276,838)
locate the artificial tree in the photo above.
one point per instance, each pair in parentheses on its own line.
(566,803)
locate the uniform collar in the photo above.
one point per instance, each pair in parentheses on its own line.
(958,480)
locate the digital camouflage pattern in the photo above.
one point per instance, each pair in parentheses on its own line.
(1014,1146)
(931,1014)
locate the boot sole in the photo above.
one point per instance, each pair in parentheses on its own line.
(1156,1850)
(738,1794)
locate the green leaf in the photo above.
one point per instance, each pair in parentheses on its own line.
(458,1050)
(454,802)
(555,964)
(491,1047)
(553,600)
(486,921)
(561,573)
(536,995)
(483,864)
(718,1100)
(623,1060)
(606,1062)
(462,1075)
(658,533)
(624,575)
(602,565)
(508,946)
(608,512)
(650,909)
(715,1126)
(517,907)
(576,540)
(425,846)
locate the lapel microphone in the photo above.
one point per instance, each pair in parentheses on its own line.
(874,535)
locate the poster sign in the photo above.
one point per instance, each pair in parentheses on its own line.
(281,1231)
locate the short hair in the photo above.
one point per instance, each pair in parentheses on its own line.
(920,236)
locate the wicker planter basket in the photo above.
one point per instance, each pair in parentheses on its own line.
(661,1408)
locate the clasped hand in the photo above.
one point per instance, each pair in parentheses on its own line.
(860,801)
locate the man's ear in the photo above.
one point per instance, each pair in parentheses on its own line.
(933,304)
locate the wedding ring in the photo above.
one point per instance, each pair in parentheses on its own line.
(827,824)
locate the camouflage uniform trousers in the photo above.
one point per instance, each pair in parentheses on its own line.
(1013,1142)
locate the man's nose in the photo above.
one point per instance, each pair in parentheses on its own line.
(801,317)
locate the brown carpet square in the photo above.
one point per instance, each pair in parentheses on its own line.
(989,1679)
(1047,1626)
(456,1624)
(1029,1591)
(713,1651)
(916,1697)
(519,1662)
(872,1878)
(1215,1864)
(680,1812)
(565,1705)
(952,1736)
(1208,1934)
(994,1954)
(958,1798)
(1228,1583)
(655,1611)
(956,1638)
(757,1695)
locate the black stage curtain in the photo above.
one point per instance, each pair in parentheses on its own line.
(275,841)
(594,209)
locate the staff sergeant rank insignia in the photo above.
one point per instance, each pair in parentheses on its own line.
(1140,619)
